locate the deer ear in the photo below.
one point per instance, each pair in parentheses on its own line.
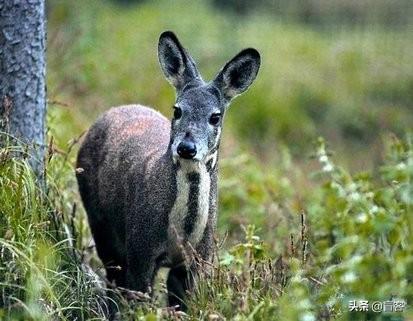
(177,65)
(238,74)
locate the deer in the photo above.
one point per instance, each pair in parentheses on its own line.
(149,184)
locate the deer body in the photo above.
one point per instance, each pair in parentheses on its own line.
(149,185)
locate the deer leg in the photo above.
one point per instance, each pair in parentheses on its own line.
(180,282)
(141,271)
(108,252)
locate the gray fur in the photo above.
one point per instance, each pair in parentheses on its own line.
(147,205)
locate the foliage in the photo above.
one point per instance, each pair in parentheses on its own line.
(291,245)
(363,229)
(41,278)
(353,241)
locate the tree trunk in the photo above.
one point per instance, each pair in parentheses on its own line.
(22,77)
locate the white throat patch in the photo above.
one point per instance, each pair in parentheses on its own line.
(180,210)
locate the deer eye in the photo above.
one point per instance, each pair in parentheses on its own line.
(177,112)
(215,118)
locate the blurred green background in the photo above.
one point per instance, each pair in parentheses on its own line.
(338,69)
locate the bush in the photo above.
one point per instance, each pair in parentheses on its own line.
(41,274)
(354,243)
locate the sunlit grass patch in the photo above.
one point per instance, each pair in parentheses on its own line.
(41,275)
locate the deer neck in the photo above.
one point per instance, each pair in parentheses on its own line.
(189,215)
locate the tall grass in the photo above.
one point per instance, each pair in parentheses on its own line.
(352,240)
(41,274)
(298,237)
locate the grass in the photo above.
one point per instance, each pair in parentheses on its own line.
(352,240)
(41,275)
(302,230)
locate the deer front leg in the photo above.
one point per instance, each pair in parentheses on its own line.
(140,273)
(182,279)
(180,282)
(141,261)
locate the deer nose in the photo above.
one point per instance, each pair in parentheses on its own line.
(186,149)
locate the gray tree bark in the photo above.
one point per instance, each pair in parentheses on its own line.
(22,76)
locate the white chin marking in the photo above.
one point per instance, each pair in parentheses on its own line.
(214,157)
